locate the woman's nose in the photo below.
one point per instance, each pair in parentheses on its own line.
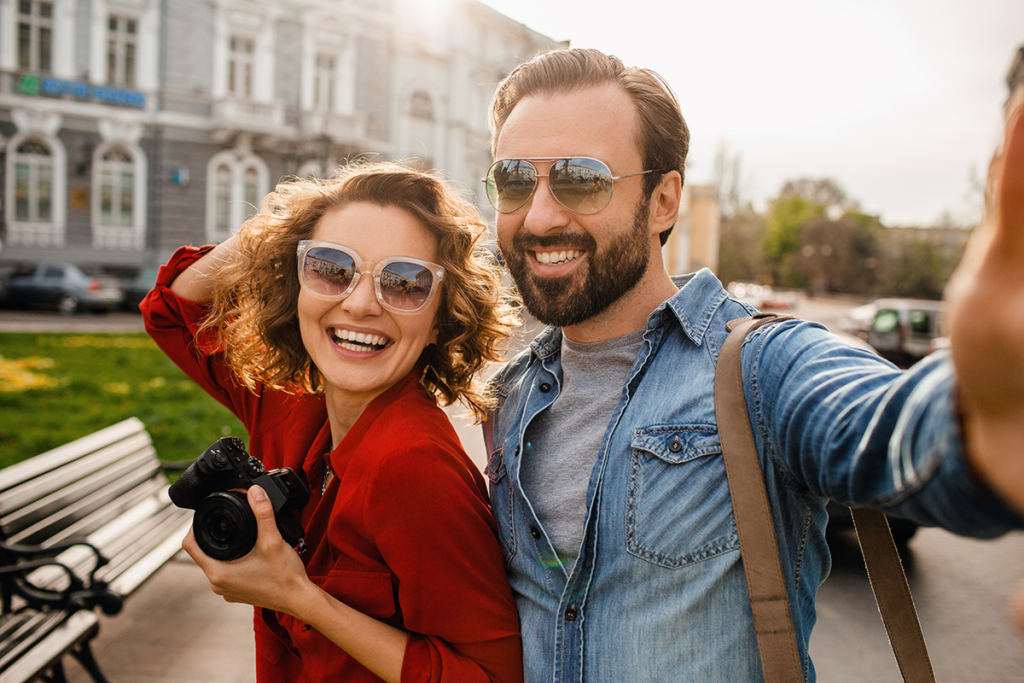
(362,301)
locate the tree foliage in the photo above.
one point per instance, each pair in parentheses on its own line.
(814,237)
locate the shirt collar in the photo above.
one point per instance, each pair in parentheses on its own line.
(700,295)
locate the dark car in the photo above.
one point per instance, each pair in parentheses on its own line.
(136,289)
(64,287)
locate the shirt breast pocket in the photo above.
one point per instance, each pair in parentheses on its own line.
(678,509)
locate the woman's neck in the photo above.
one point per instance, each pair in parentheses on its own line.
(343,410)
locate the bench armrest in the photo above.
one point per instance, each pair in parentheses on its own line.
(11,553)
(75,596)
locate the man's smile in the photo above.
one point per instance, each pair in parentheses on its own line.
(554,258)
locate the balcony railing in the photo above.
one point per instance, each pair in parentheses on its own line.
(247,115)
(341,128)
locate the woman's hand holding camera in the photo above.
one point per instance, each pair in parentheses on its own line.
(270,576)
(273,577)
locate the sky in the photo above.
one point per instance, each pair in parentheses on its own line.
(899,101)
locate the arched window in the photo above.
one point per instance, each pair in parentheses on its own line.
(421,106)
(222,203)
(33,182)
(239,179)
(117,189)
(119,197)
(35,185)
(251,194)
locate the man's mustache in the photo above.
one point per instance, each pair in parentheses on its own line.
(574,240)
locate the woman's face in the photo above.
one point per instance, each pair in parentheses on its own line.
(358,368)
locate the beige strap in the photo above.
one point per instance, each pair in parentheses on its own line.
(892,594)
(769,601)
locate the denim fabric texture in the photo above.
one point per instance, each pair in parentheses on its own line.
(658,592)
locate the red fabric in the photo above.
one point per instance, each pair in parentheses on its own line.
(404,533)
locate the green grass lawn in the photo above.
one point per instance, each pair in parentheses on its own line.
(55,388)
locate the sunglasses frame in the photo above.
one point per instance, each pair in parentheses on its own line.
(607,171)
(361,267)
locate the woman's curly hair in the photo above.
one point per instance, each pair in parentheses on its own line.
(255,301)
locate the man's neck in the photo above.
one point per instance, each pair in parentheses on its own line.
(629,313)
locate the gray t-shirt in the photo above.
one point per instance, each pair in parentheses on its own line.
(562,442)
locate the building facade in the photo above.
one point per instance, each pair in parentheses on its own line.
(131,127)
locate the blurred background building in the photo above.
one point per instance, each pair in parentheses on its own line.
(131,127)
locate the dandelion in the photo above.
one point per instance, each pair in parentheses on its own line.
(17,374)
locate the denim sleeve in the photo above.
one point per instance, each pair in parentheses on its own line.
(839,422)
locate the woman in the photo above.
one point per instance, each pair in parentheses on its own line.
(332,324)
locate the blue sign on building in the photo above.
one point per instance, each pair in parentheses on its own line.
(33,86)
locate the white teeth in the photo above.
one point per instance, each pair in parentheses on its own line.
(358,341)
(557,257)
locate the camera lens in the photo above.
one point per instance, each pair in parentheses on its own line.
(224,525)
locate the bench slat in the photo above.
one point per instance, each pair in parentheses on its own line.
(50,460)
(80,518)
(60,508)
(25,493)
(22,629)
(78,627)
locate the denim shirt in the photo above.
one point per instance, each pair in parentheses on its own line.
(658,591)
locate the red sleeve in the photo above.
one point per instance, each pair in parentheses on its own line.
(432,523)
(172,322)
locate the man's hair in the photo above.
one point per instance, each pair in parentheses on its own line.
(663,138)
(254,317)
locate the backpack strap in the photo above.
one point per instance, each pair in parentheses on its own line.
(759,548)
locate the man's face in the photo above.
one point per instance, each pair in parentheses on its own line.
(570,267)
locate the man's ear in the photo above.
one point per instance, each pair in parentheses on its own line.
(665,202)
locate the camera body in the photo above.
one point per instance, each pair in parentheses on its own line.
(215,485)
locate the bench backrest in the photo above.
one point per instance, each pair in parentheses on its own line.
(74,489)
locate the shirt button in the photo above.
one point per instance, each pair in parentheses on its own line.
(534,532)
(545,387)
(675,446)
(570,613)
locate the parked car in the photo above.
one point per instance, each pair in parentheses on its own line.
(903,330)
(762,296)
(64,287)
(858,321)
(136,289)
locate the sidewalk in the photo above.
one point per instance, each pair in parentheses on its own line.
(174,629)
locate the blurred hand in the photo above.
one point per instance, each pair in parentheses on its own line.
(271,575)
(987,324)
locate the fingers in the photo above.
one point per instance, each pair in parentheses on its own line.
(1010,184)
(263,510)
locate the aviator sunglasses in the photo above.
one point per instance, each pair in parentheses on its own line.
(580,184)
(402,284)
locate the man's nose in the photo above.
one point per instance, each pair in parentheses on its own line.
(544,213)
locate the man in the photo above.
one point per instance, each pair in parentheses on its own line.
(605,465)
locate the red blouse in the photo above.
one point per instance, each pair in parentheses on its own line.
(404,532)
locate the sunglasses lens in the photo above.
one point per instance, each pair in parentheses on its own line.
(582,185)
(510,183)
(406,286)
(328,271)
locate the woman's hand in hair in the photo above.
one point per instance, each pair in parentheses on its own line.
(196,283)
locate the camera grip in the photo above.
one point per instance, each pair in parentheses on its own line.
(187,491)
(290,528)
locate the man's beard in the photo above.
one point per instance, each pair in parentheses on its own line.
(574,298)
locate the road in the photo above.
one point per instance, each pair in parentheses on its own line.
(961,586)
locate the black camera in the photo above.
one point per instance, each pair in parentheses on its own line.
(215,485)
